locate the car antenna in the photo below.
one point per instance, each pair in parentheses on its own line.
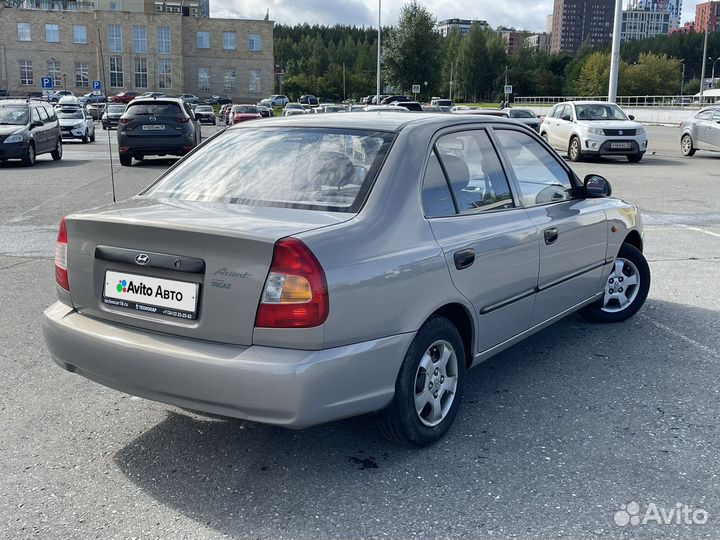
(102,68)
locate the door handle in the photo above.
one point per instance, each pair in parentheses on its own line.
(551,235)
(464,258)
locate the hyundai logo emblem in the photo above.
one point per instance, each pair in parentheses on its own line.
(620,132)
(142,259)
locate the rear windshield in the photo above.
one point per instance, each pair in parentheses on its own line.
(204,108)
(13,115)
(154,109)
(521,113)
(244,109)
(312,168)
(70,113)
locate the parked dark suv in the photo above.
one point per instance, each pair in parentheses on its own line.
(28,128)
(156,127)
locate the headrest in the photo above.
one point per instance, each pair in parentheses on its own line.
(457,171)
(330,169)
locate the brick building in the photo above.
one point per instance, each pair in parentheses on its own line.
(707,17)
(158,46)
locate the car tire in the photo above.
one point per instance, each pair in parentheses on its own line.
(686,145)
(635,158)
(125,160)
(92,137)
(57,154)
(575,150)
(630,264)
(435,357)
(84,138)
(28,160)
(544,136)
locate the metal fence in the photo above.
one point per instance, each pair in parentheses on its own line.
(623,101)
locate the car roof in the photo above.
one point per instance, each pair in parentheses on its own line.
(378,120)
(158,99)
(15,101)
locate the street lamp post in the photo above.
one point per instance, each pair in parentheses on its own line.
(713,70)
(702,70)
(378,51)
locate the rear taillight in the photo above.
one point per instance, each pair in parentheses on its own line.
(61,274)
(182,119)
(295,294)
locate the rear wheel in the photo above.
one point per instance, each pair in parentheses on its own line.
(625,289)
(686,145)
(28,160)
(58,152)
(125,160)
(574,150)
(429,386)
(634,158)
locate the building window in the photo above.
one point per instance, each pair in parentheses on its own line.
(229,41)
(82,80)
(115,38)
(203,79)
(139,39)
(114,6)
(23,31)
(141,73)
(80,34)
(164,67)
(255,81)
(203,40)
(163,36)
(26,73)
(54,72)
(229,81)
(255,42)
(52,33)
(116,72)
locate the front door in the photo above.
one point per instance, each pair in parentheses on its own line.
(572,232)
(488,240)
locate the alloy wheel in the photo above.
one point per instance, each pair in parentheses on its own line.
(622,286)
(436,383)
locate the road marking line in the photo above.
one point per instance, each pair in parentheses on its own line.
(680,335)
(698,229)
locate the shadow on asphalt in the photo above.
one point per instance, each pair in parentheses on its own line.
(44,163)
(580,417)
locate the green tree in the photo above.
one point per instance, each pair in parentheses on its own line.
(654,74)
(411,54)
(595,76)
(450,51)
(472,64)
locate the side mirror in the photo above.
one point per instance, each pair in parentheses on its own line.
(566,117)
(596,186)
(35,124)
(631,116)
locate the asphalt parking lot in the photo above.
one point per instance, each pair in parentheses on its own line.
(556,435)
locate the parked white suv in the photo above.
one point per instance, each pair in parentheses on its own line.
(276,100)
(593,128)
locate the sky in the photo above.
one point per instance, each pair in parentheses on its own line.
(522,14)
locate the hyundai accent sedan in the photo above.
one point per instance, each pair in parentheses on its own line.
(314,268)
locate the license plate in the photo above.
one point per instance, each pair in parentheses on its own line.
(620,145)
(154,127)
(147,294)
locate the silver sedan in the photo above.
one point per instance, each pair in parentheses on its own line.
(307,269)
(701,132)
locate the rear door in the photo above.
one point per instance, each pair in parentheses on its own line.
(489,242)
(42,133)
(703,127)
(572,232)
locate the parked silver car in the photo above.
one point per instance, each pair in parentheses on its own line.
(701,132)
(318,267)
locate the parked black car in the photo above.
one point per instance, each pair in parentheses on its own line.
(309,100)
(205,113)
(218,100)
(28,128)
(112,114)
(390,99)
(156,127)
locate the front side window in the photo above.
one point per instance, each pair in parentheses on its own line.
(80,34)
(23,31)
(141,74)
(115,38)
(473,169)
(229,41)
(52,33)
(26,73)
(255,81)
(116,71)
(81,75)
(540,176)
(312,168)
(164,40)
(53,68)
(203,40)
(139,39)
(203,79)
(704,115)
(164,73)
(255,42)
(229,81)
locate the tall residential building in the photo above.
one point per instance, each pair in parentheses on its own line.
(581,21)
(644,23)
(156,48)
(548,24)
(707,16)
(539,41)
(446,26)
(512,38)
(673,7)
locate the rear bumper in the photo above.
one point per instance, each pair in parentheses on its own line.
(290,388)
(152,146)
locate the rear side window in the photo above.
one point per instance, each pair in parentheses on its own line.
(437,200)
(311,168)
(43,114)
(154,109)
(50,112)
(471,164)
(540,176)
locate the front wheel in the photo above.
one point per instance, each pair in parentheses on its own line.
(686,146)
(28,160)
(625,289)
(574,151)
(58,152)
(429,386)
